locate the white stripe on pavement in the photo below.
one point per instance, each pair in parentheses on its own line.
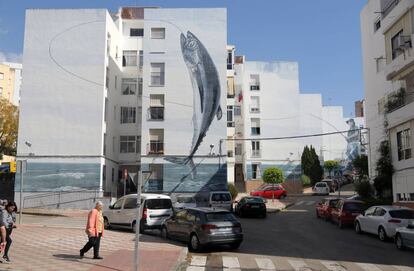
(368,266)
(333,266)
(403,268)
(198,261)
(310,203)
(231,263)
(299,265)
(196,268)
(299,202)
(265,264)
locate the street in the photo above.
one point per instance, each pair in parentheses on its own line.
(295,239)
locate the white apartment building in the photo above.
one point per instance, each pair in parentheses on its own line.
(388,60)
(105,94)
(10,81)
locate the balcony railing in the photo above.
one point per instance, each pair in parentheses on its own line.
(398,99)
(256,153)
(254,87)
(155,147)
(387,9)
(155,113)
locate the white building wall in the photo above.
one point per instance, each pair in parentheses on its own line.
(17,67)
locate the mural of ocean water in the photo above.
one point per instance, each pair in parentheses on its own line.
(59,177)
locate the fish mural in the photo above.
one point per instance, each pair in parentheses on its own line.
(206,93)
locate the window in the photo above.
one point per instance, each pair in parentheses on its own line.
(1,76)
(104,175)
(254,106)
(379,212)
(396,44)
(130,203)
(255,128)
(107,78)
(254,82)
(138,147)
(1,92)
(237,110)
(141,59)
(377,24)
(238,149)
(404,144)
(128,114)
(157,33)
(156,110)
(230,120)
(157,74)
(127,144)
(136,32)
(255,171)
(108,45)
(116,82)
(156,145)
(117,205)
(129,58)
(229,60)
(129,86)
(104,144)
(255,148)
(113,175)
(140,86)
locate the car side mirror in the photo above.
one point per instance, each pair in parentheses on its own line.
(110,206)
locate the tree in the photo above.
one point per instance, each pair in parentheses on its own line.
(9,117)
(273,175)
(311,165)
(385,169)
(330,165)
(360,163)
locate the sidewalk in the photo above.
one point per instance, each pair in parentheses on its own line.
(45,244)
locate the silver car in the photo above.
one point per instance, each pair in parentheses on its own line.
(404,237)
(384,220)
(201,227)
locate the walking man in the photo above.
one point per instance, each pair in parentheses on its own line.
(6,228)
(94,230)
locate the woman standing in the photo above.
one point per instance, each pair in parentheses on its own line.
(94,230)
(7,220)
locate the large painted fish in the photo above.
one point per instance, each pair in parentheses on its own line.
(206,93)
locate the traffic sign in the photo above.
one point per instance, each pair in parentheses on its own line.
(13,167)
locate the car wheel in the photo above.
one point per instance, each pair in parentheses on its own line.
(399,243)
(235,245)
(194,243)
(358,228)
(317,215)
(164,232)
(107,225)
(382,235)
(340,224)
(134,227)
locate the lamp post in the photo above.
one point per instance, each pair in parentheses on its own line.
(22,165)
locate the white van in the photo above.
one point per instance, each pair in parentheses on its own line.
(155,209)
(221,199)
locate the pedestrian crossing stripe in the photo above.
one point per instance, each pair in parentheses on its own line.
(299,265)
(368,266)
(265,264)
(333,266)
(231,263)
(198,260)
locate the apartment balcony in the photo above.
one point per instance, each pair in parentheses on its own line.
(155,148)
(402,62)
(399,108)
(155,113)
(256,153)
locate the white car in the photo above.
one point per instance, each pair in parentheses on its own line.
(404,237)
(221,199)
(184,202)
(384,220)
(321,188)
(155,209)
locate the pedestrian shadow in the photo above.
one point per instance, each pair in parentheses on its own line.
(68,257)
(75,258)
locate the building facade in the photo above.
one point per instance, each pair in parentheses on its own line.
(10,81)
(387,31)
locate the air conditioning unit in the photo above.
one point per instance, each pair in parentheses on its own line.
(404,42)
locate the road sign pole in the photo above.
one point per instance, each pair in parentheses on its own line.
(21,192)
(137,221)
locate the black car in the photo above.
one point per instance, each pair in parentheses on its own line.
(201,227)
(253,206)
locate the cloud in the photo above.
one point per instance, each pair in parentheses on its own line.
(11,57)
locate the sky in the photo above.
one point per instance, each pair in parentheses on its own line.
(323,36)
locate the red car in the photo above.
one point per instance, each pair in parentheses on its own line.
(270,192)
(325,206)
(346,211)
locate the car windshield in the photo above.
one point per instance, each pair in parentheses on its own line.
(402,214)
(158,204)
(220,216)
(254,200)
(354,207)
(321,185)
(221,197)
(185,200)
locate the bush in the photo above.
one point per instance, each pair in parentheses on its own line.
(363,188)
(233,191)
(306,181)
(273,175)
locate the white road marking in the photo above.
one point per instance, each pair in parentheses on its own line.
(299,202)
(198,261)
(333,266)
(403,268)
(196,268)
(231,263)
(299,265)
(368,266)
(265,264)
(310,203)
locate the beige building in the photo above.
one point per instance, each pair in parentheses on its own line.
(10,80)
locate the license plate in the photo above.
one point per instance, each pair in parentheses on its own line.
(223,229)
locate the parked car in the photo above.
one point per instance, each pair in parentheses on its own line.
(269,192)
(183,202)
(346,211)
(332,185)
(201,227)
(404,236)
(255,206)
(355,197)
(384,220)
(325,206)
(122,214)
(221,199)
(321,188)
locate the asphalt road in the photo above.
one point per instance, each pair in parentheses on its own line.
(295,236)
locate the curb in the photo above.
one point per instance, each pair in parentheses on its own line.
(44,214)
(269,211)
(181,262)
